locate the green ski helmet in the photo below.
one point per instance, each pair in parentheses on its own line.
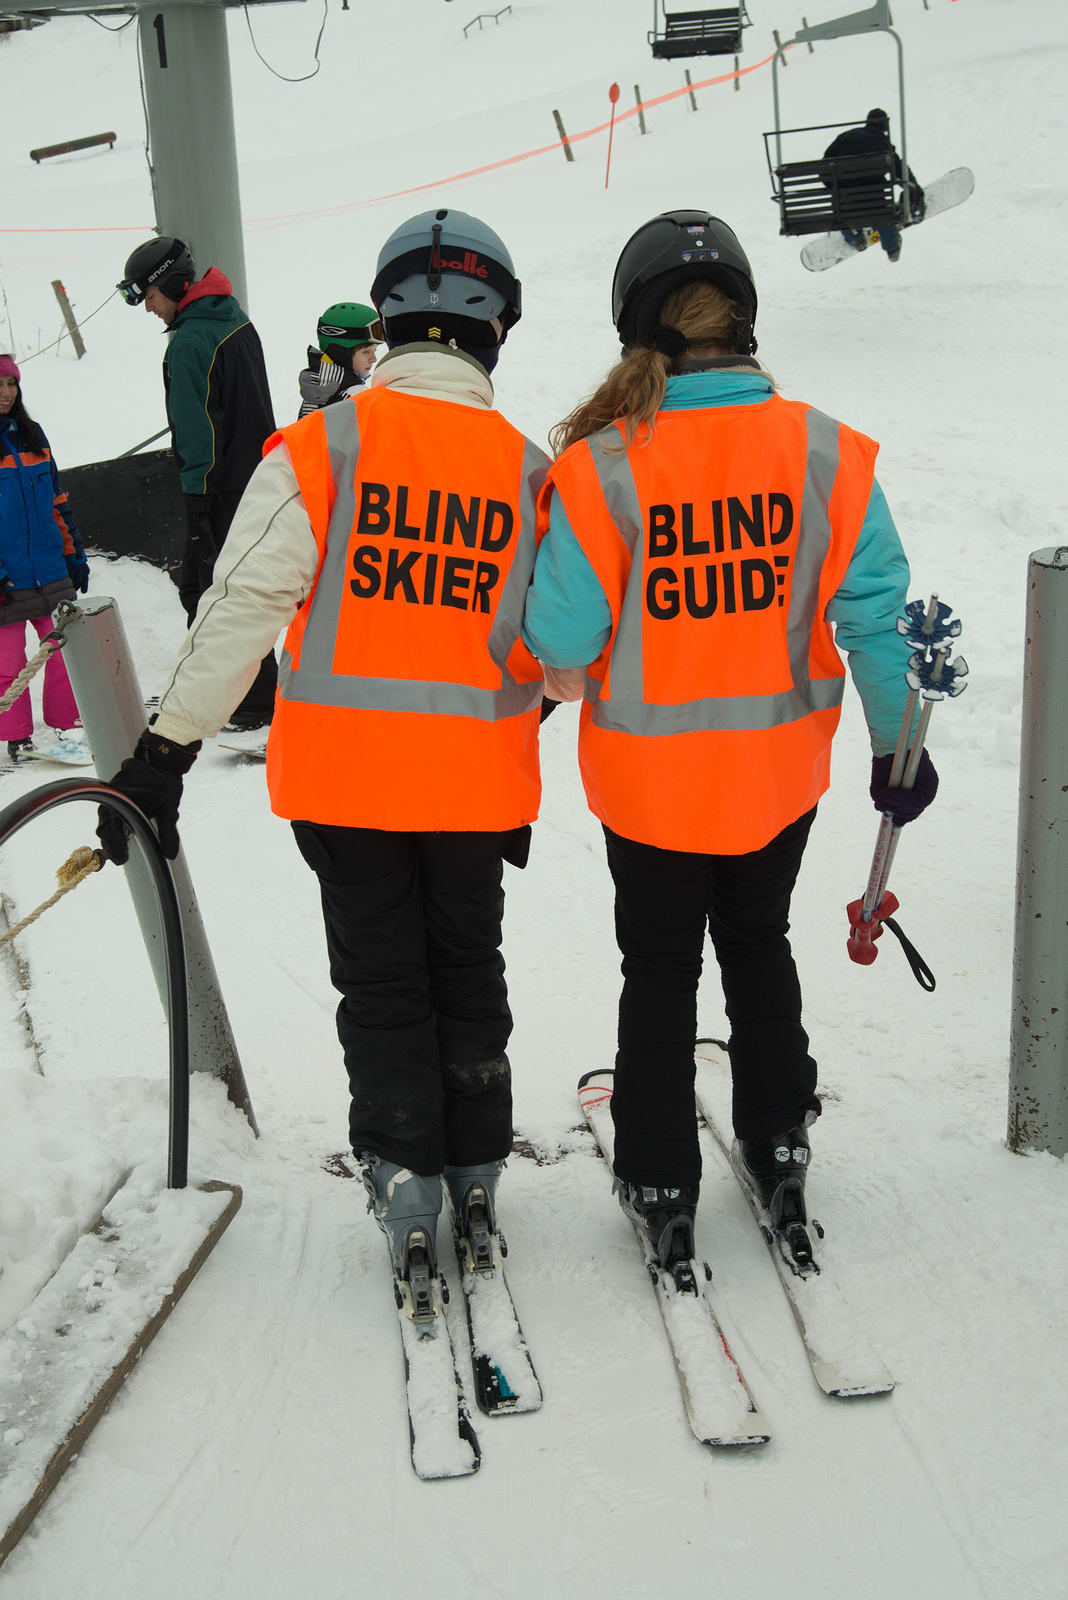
(348,324)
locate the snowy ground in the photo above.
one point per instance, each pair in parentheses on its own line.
(260,1449)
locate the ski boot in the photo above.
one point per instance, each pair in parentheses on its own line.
(472,1191)
(775,1170)
(18,750)
(406,1208)
(665,1218)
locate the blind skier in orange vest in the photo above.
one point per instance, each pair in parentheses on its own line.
(394,535)
(705,535)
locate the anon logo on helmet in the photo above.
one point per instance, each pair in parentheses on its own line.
(469,265)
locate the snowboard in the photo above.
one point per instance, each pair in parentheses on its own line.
(950,190)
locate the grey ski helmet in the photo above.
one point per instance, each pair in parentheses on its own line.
(165,263)
(672,249)
(446,275)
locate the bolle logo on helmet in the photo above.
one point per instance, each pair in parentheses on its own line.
(469,266)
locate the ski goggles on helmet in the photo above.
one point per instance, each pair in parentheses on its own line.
(339,333)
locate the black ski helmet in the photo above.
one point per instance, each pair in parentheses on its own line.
(163,263)
(446,275)
(672,249)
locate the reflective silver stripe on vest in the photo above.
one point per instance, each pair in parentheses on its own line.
(315,683)
(626,711)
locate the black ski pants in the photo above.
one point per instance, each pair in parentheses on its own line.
(197,574)
(665,899)
(413,930)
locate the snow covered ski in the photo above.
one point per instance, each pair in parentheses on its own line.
(444,1444)
(842,1359)
(719,1404)
(505,1380)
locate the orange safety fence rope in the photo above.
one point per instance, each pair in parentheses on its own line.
(456,177)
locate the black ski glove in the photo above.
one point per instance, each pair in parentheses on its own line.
(78,568)
(904,804)
(152,779)
(199,524)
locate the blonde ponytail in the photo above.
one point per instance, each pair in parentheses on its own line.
(633,392)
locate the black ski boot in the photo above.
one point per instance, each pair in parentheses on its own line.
(472,1191)
(18,750)
(775,1170)
(406,1208)
(665,1217)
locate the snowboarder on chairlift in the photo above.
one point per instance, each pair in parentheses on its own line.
(394,536)
(874,139)
(348,335)
(705,536)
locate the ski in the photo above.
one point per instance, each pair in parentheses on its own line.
(443,1442)
(505,1380)
(719,1404)
(842,1359)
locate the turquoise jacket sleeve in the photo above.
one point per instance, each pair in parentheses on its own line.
(568,620)
(864,613)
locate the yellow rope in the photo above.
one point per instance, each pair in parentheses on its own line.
(74,870)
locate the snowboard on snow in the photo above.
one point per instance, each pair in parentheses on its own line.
(950,190)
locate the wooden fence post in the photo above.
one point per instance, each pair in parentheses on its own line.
(563,136)
(778,46)
(68,317)
(641,113)
(811,47)
(693,97)
(737,80)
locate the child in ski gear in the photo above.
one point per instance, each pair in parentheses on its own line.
(42,563)
(348,335)
(219,410)
(874,139)
(404,660)
(705,536)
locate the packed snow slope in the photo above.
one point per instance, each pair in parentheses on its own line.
(261,1448)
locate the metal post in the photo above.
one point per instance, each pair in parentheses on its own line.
(775,102)
(191,135)
(113,714)
(904,140)
(1038,1065)
(641,112)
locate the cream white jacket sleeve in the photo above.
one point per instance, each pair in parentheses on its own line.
(265,570)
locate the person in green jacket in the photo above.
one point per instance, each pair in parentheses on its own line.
(219,410)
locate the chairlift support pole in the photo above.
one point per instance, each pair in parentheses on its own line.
(875,19)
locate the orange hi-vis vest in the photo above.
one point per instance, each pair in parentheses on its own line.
(407,700)
(708,717)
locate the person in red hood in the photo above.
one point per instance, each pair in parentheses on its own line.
(219,410)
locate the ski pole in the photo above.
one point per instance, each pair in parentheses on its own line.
(930,675)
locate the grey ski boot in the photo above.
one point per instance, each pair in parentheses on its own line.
(473,1192)
(406,1208)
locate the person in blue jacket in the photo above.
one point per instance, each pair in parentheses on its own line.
(685,305)
(42,563)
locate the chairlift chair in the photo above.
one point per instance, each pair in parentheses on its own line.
(836,192)
(697,33)
(841,191)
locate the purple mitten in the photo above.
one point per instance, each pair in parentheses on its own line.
(904,804)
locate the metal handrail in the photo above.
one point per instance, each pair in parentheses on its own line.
(20,812)
(496,15)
